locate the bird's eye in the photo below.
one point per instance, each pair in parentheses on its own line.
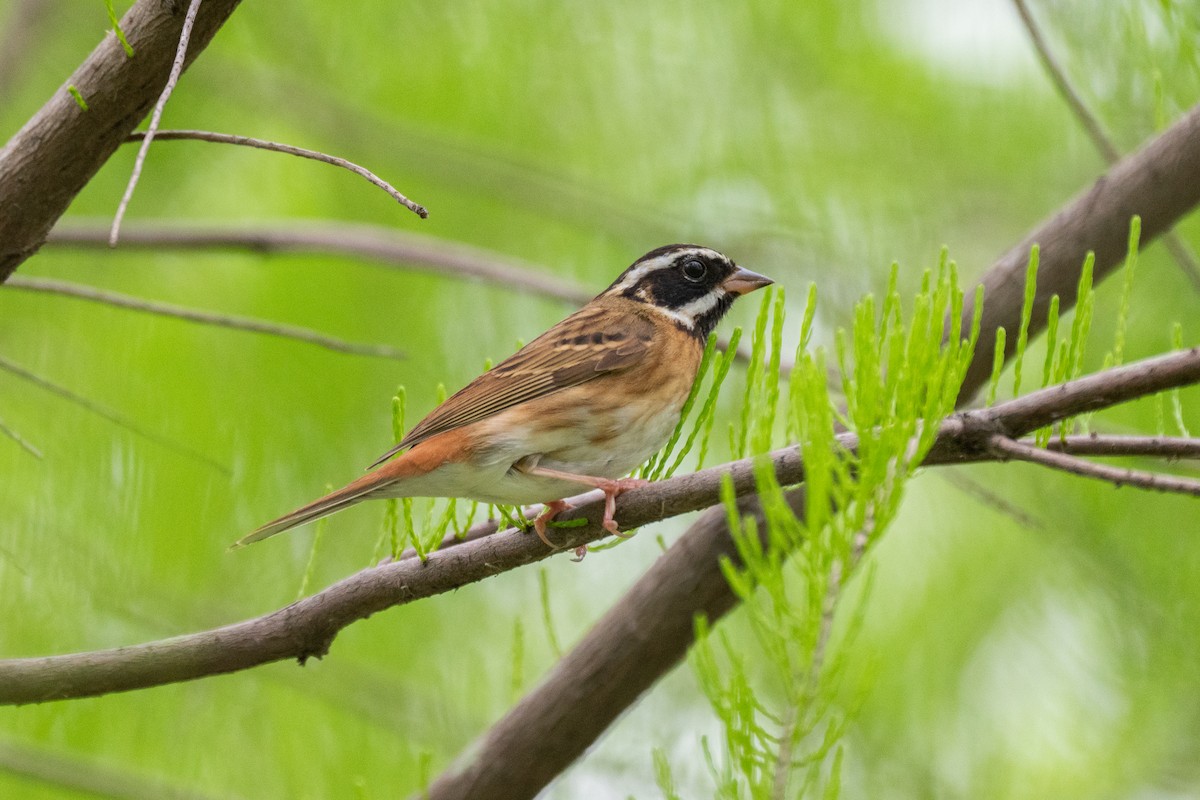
(694,270)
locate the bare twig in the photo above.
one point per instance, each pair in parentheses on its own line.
(1095,130)
(185,36)
(108,414)
(77,775)
(1005,448)
(307,628)
(391,248)
(263,144)
(1095,444)
(983,494)
(19,439)
(293,332)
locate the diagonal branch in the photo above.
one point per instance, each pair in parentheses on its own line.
(1005,448)
(293,332)
(1159,182)
(1095,130)
(307,628)
(107,413)
(19,440)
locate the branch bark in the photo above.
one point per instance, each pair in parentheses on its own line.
(590,685)
(1160,182)
(58,151)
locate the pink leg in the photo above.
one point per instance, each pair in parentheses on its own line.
(610,487)
(552,509)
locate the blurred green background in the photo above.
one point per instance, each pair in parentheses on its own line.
(1055,657)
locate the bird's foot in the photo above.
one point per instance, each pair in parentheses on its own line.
(549,512)
(611,489)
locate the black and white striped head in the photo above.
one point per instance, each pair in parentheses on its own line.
(692,285)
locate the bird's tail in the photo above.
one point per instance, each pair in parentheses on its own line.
(345,497)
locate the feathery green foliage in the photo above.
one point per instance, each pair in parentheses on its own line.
(782,727)
(547,612)
(1131,259)
(1176,405)
(1026,316)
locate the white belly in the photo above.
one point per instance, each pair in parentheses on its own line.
(580,443)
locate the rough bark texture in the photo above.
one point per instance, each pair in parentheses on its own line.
(1160,183)
(58,151)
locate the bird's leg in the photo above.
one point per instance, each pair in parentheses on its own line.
(549,512)
(609,486)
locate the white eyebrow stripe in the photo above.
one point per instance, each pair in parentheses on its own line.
(661,262)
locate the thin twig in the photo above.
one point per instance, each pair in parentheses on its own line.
(84,776)
(263,144)
(307,628)
(108,414)
(1095,130)
(983,494)
(176,70)
(1095,444)
(392,248)
(293,332)
(19,439)
(1005,448)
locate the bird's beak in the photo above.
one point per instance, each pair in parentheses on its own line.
(743,281)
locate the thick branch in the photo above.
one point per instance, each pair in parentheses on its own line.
(308,627)
(1160,182)
(58,151)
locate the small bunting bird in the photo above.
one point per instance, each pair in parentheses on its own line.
(579,406)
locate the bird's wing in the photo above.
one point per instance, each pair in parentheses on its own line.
(594,341)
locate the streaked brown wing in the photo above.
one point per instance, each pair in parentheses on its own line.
(594,341)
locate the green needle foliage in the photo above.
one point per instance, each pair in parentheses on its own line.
(781,723)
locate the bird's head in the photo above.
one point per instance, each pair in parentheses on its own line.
(692,285)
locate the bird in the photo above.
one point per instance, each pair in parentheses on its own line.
(581,405)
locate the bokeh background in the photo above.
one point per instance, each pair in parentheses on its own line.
(1050,653)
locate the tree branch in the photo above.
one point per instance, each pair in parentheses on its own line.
(104,412)
(307,628)
(293,332)
(391,248)
(1005,448)
(1095,130)
(1160,182)
(291,150)
(45,164)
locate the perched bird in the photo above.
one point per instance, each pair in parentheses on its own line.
(580,405)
